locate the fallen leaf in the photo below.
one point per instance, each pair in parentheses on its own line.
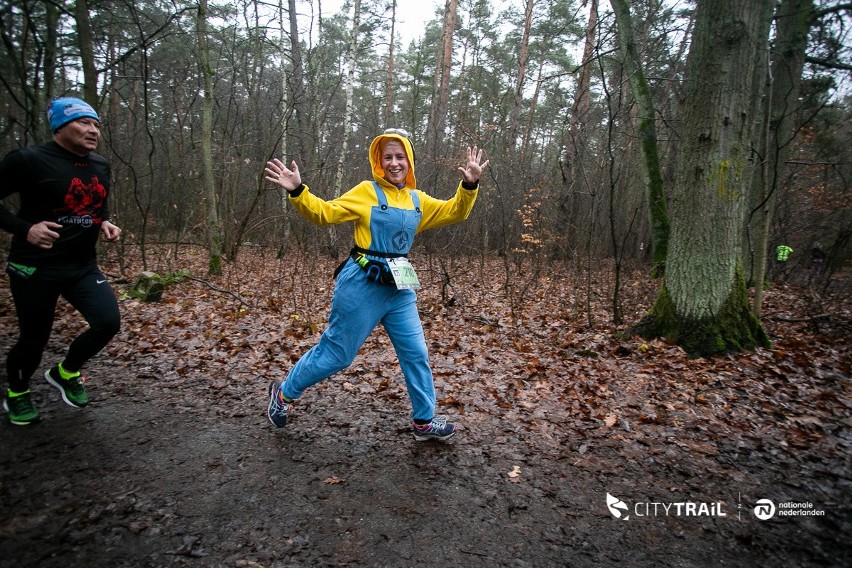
(515,474)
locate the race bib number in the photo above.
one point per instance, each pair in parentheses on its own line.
(403,274)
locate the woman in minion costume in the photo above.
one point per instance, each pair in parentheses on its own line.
(377,279)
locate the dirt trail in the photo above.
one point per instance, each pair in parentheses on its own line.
(152,474)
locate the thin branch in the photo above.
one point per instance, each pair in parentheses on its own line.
(800,320)
(147,40)
(832,10)
(220,290)
(829,64)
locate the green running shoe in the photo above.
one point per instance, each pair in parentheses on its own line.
(20,408)
(72,390)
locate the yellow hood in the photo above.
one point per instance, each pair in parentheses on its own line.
(376,159)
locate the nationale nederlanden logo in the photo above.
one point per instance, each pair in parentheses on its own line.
(764,509)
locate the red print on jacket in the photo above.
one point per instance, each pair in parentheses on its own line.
(82,199)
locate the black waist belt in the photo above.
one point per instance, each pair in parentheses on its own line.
(356,250)
(376,271)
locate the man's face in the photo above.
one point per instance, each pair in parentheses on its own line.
(79,136)
(395,162)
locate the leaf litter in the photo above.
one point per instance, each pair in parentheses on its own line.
(539,387)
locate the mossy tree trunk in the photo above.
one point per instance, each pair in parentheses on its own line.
(654,190)
(703,305)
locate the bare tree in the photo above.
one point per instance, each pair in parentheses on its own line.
(297,89)
(794,20)
(577,119)
(391,70)
(520,77)
(350,104)
(214,231)
(85,43)
(441,92)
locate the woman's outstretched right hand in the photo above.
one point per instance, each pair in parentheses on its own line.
(279,174)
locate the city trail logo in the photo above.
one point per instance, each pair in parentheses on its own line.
(620,510)
(765,509)
(617,507)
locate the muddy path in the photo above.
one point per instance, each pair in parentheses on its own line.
(153,474)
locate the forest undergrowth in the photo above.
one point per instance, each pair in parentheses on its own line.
(543,366)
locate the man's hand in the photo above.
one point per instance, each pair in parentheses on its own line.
(111,232)
(42,234)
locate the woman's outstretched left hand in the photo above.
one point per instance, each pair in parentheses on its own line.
(474,167)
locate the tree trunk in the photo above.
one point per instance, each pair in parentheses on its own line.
(526,137)
(86,43)
(298,91)
(391,72)
(577,130)
(703,304)
(284,237)
(794,20)
(441,96)
(655,192)
(214,233)
(520,79)
(350,104)
(52,21)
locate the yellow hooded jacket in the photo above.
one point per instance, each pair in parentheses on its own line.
(357,203)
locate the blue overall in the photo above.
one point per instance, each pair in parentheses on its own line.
(359,305)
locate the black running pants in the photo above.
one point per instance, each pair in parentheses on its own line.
(87,290)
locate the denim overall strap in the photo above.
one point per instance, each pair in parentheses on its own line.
(380,195)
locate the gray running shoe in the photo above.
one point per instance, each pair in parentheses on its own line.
(278,407)
(437,429)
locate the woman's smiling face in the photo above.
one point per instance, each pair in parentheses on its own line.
(395,162)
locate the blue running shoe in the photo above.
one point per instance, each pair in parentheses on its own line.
(278,406)
(437,429)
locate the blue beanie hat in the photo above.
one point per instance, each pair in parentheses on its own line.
(63,110)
